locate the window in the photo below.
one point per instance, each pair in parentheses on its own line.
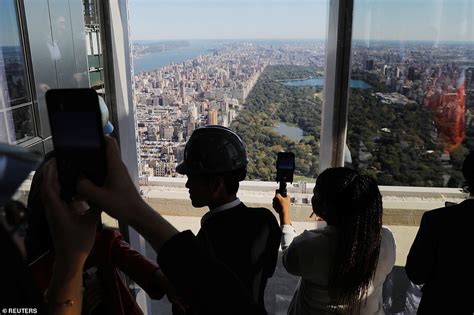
(412,91)
(94,46)
(16,112)
(257,68)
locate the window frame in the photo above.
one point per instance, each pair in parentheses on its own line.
(334,119)
(29,79)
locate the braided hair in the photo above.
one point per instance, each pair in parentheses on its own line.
(352,203)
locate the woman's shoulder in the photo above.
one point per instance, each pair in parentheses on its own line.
(388,248)
(387,233)
(322,235)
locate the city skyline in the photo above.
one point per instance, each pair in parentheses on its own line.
(301,19)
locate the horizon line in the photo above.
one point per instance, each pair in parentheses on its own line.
(309,39)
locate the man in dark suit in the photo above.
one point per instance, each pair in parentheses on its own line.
(441,256)
(243,238)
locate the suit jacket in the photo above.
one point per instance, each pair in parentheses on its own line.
(206,285)
(441,258)
(247,241)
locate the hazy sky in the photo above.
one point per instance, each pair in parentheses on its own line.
(288,19)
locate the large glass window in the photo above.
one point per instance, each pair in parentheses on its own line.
(254,66)
(16,112)
(412,91)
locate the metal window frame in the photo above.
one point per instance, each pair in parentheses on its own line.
(118,84)
(336,84)
(30,100)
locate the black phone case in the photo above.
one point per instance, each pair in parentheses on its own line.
(76,159)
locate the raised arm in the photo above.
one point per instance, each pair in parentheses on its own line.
(120,198)
(282,206)
(73,235)
(208,285)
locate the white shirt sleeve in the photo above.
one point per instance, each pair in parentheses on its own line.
(288,233)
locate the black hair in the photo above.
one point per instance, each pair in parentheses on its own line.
(353,203)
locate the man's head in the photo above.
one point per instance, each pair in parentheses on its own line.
(215,162)
(468,172)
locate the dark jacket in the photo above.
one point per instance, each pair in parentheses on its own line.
(204,283)
(247,241)
(441,258)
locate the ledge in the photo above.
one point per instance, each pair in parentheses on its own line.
(402,205)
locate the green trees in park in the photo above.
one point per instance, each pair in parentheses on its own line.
(271,102)
(396,144)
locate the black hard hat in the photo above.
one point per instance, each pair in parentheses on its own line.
(213,150)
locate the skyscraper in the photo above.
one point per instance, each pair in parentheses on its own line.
(212,117)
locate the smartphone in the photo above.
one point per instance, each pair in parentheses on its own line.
(285,166)
(78,139)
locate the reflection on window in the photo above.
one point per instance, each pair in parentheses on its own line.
(12,63)
(412,92)
(93,45)
(16,112)
(23,123)
(257,69)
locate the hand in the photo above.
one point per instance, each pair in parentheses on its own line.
(281,204)
(73,233)
(282,207)
(119,195)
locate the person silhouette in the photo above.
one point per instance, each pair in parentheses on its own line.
(440,257)
(343,265)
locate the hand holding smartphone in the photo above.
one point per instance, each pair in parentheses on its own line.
(78,139)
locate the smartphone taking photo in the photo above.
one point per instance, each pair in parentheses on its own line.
(285,169)
(78,139)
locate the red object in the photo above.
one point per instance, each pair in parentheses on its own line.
(449,110)
(110,254)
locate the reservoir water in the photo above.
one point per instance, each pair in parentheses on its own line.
(292,132)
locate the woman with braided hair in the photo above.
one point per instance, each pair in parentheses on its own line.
(342,266)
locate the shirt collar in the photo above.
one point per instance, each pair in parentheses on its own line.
(221,208)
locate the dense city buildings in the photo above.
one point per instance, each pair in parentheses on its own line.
(212,88)
(173,101)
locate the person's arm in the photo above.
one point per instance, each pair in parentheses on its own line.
(142,271)
(210,286)
(282,207)
(139,268)
(64,294)
(120,199)
(290,256)
(420,259)
(73,237)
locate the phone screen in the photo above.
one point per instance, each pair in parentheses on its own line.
(77,130)
(76,127)
(285,166)
(286,163)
